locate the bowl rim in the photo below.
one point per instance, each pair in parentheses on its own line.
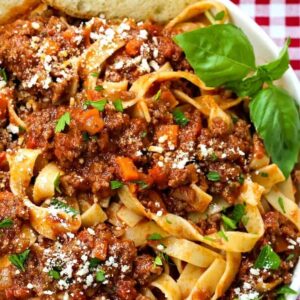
(290,78)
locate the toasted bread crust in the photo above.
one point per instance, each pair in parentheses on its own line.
(12,9)
(158,10)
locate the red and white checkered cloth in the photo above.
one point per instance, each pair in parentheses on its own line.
(280,19)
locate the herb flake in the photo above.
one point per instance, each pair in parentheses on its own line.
(57,204)
(154,237)
(267,259)
(6,223)
(213,176)
(180,118)
(118,105)
(18,260)
(116,184)
(62,122)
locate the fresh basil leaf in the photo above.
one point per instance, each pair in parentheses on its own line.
(238,212)
(99,88)
(267,259)
(158,261)
(54,274)
(277,68)
(286,290)
(18,260)
(222,234)
(6,223)
(62,122)
(154,237)
(94,262)
(281,204)
(218,53)
(220,15)
(276,118)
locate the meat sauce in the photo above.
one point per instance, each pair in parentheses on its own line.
(92,148)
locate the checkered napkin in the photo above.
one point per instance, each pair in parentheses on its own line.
(280,19)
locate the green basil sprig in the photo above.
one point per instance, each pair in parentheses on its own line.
(222,55)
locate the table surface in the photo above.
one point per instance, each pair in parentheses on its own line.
(280,19)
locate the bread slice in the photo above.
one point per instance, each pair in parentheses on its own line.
(158,10)
(12,9)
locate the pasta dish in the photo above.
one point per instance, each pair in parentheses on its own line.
(136,160)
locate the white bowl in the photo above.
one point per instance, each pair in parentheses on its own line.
(266,50)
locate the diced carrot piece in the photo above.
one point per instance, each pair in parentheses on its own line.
(132,48)
(158,175)
(3,161)
(126,169)
(168,134)
(3,106)
(91,121)
(93,95)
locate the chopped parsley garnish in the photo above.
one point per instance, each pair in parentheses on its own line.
(95,74)
(143,134)
(18,260)
(229,223)
(286,290)
(3,74)
(209,238)
(213,176)
(57,183)
(154,237)
(62,122)
(100,276)
(158,261)
(219,16)
(179,117)
(6,223)
(238,212)
(263,174)
(118,105)
(241,179)
(116,184)
(290,256)
(99,105)
(94,262)
(63,206)
(54,273)
(157,95)
(267,259)
(99,88)
(281,204)
(142,184)
(214,156)
(222,234)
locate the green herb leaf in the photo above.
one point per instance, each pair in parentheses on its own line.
(267,259)
(263,174)
(18,260)
(273,111)
(3,74)
(143,134)
(286,290)
(94,262)
(213,176)
(95,74)
(222,234)
(238,212)
(157,95)
(85,136)
(290,256)
(64,120)
(54,274)
(241,179)
(215,53)
(281,204)
(63,206)
(229,223)
(100,105)
(154,237)
(277,68)
(100,276)
(99,88)
(220,15)
(57,183)
(158,261)
(115,184)
(179,117)
(214,156)
(6,223)
(118,105)
(142,184)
